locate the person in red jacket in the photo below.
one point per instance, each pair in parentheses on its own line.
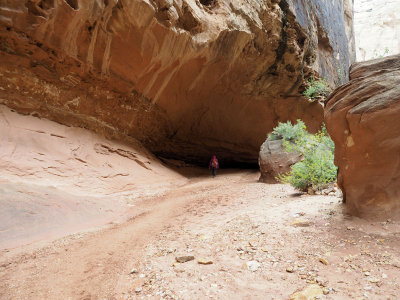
(214,165)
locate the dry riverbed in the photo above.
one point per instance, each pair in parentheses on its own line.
(242,239)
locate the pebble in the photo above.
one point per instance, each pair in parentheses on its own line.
(253,265)
(374,280)
(183,259)
(310,292)
(300,222)
(324,261)
(290,270)
(204,261)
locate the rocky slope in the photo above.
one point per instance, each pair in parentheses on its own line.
(376,26)
(362,118)
(184,77)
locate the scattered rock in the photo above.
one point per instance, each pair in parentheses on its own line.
(183,259)
(311,191)
(323,260)
(374,280)
(290,270)
(300,222)
(204,261)
(133,271)
(309,293)
(138,290)
(325,291)
(253,265)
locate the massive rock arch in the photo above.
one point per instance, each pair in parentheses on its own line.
(184,77)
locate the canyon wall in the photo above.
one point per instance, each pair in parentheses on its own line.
(187,78)
(362,118)
(377,28)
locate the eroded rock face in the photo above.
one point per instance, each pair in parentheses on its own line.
(186,78)
(274,160)
(376,26)
(362,118)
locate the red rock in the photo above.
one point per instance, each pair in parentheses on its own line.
(274,160)
(186,79)
(362,118)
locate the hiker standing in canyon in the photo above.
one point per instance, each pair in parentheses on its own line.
(214,165)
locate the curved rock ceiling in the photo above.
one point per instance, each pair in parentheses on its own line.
(186,78)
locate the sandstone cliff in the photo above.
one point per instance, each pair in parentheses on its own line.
(376,26)
(187,78)
(362,118)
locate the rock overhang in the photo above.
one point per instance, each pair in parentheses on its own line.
(185,78)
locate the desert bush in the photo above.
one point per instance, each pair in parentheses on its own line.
(287,131)
(317,167)
(317,88)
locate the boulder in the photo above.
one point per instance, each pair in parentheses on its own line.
(362,118)
(274,160)
(186,78)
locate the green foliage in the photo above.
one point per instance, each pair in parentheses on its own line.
(287,131)
(317,167)
(317,88)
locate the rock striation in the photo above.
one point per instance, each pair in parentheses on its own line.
(362,118)
(57,180)
(376,26)
(187,78)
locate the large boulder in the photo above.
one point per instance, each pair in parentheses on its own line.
(187,78)
(362,118)
(274,160)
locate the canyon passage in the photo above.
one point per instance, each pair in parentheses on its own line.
(110,112)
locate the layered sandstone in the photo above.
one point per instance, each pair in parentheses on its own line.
(187,78)
(56,180)
(362,118)
(376,26)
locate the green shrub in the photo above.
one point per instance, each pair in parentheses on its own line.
(317,88)
(317,167)
(287,131)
